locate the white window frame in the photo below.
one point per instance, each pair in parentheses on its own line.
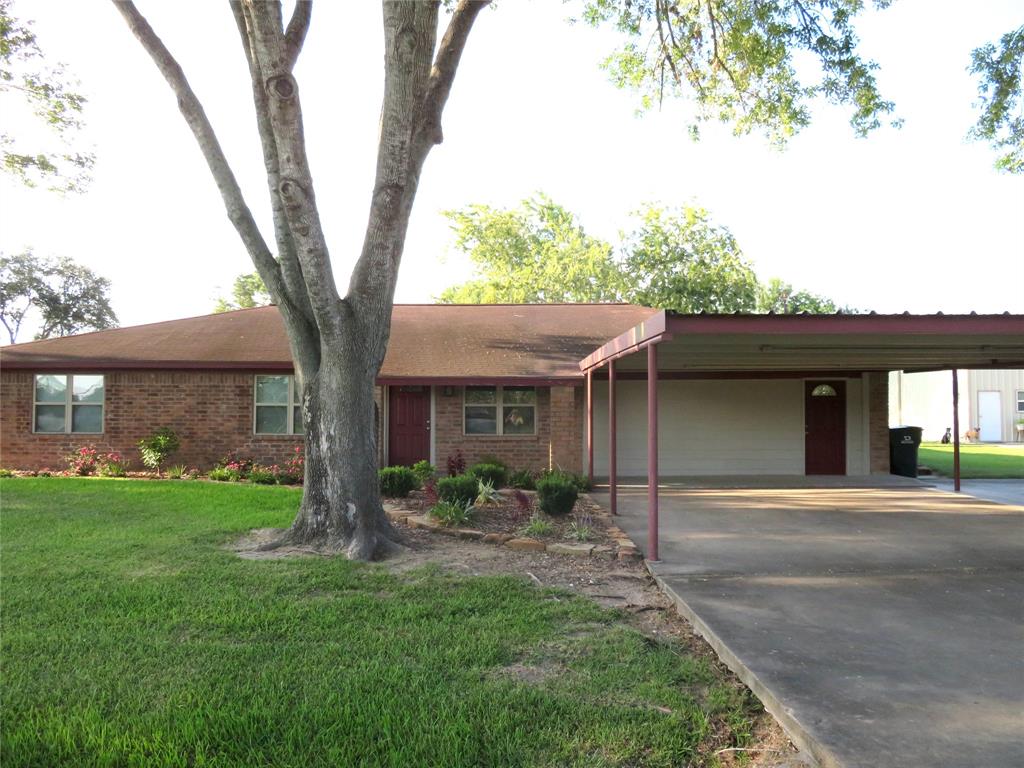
(499,405)
(292,405)
(69,389)
(1020,401)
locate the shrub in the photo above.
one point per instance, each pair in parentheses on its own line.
(430,492)
(538,526)
(83,461)
(6,473)
(156,448)
(293,470)
(456,464)
(557,494)
(424,471)
(177,472)
(461,489)
(581,482)
(495,474)
(112,465)
(582,528)
(240,465)
(522,478)
(452,513)
(262,475)
(396,482)
(223,475)
(490,458)
(485,492)
(523,504)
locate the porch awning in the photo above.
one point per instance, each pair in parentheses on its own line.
(696,344)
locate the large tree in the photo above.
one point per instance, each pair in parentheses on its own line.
(338,341)
(67,297)
(52,97)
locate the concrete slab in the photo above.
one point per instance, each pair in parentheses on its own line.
(881,626)
(1000,491)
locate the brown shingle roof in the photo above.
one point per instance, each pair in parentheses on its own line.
(428,341)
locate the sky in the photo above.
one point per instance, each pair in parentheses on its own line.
(914,219)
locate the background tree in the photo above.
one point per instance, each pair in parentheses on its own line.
(247,291)
(68,297)
(50,94)
(1001,122)
(536,252)
(679,260)
(338,342)
(781,298)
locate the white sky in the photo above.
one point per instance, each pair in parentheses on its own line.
(912,219)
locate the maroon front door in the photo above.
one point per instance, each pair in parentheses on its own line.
(825,427)
(408,425)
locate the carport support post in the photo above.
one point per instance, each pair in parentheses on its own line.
(956,432)
(652,452)
(590,426)
(613,480)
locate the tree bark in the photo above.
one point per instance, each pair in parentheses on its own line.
(337,344)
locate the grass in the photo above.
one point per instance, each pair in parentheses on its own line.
(131,637)
(977,461)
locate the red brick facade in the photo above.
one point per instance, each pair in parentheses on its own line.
(878,422)
(556,443)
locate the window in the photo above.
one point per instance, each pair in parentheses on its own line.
(65,403)
(500,411)
(1020,401)
(823,390)
(278,410)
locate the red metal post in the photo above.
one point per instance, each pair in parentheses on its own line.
(590,426)
(613,480)
(652,452)
(956,432)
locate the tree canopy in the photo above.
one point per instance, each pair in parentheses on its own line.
(675,259)
(1001,119)
(52,96)
(247,291)
(67,297)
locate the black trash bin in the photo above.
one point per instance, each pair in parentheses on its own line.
(903,445)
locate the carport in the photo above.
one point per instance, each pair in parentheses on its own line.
(802,365)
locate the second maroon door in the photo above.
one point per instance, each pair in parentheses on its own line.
(408,425)
(825,427)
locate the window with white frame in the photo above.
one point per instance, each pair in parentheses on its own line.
(278,408)
(1020,401)
(67,403)
(500,411)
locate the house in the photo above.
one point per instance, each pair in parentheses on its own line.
(992,403)
(535,385)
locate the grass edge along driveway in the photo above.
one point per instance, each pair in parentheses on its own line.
(977,460)
(132,637)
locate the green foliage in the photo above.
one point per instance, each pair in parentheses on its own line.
(424,471)
(1001,122)
(538,526)
(780,297)
(535,253)
(248,291)
(460,489)
(49,95)
(557,494)
(677,259)
(581,482)
(111,464)
(486,493)
(495,474)
(452,513)
(738,60)
(68,298)
(522,478)
(156,448)
(581,529)
(224,475)
(177,472)
(397,482)
(261,475)
(6,473)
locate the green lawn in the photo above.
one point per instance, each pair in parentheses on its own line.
(976,460)
(130,637)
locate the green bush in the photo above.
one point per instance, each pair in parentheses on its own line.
(156,448)
(397,482)
(176,472)
(524,479)
(452,513)
(495,474)
(538,526)
(6,473)
(424,471)
(580,481)
(262,475)
(461,489)
(557,494)
(224,475)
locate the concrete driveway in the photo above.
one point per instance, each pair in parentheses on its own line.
(881,626)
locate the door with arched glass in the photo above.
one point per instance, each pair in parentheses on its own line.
(825,427)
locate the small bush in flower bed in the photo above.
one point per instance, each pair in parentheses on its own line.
(495,474)
(262,475)
(224,475)
(538,526)
(461,489)
(452,513)
(293,470)
(240,466)
(83,461)
(580,481)
(424,471)
(112,464)
(522,478)
(557,494)
(397,482)
(156,448)
(456,463)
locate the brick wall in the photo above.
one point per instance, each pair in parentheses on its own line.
(878,422)
(555,444)
(212,413)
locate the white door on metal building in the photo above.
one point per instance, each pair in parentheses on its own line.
(990,417)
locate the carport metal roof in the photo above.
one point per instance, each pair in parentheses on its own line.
(840,342)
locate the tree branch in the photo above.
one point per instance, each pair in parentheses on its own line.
(192,110)
(297,28)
